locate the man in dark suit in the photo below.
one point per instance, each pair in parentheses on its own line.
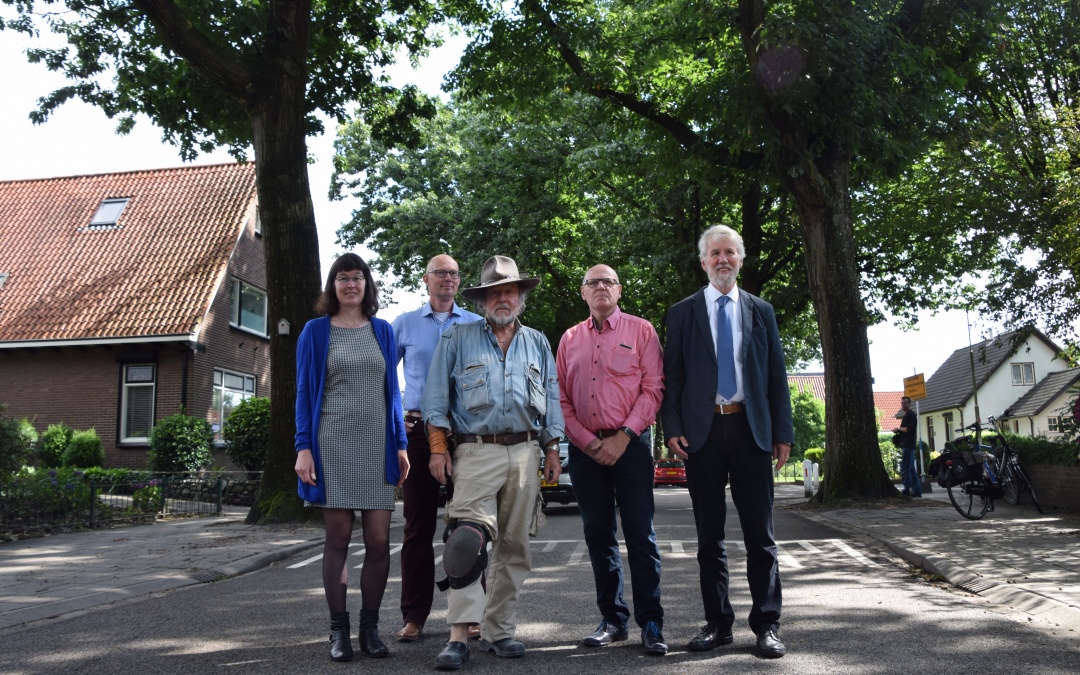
(727,412)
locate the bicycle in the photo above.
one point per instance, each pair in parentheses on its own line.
(974,478)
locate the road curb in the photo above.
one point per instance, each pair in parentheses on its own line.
(255,562)
(994,590)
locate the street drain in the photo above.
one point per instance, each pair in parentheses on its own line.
(978,585)
(208,577)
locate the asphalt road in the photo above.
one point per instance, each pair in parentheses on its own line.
(849,607)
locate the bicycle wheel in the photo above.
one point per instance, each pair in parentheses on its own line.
(1026,483)
(972,504)
(1010,484)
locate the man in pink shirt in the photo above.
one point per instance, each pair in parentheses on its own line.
(611,380)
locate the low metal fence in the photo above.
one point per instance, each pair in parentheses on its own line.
(33,502)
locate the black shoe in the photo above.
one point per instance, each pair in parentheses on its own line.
(371,644)
(507,648)
(340,643)
(605,634)
(712,634)
(769,645)
(652,640)
(453,656)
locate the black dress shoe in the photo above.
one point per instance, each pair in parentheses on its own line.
(453,656)
(371,644)
(652,640)
(712,634)
(605,634)
(769,645)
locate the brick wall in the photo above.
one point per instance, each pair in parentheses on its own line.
(81,388)
(1055,486)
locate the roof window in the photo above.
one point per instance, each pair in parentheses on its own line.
(108,213)
(3,278)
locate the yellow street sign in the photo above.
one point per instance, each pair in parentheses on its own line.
(915,387)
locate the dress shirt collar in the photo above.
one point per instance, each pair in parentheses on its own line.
(712,293)
(612,322)
(428,311)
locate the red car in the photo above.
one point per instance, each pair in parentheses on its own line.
(669,472)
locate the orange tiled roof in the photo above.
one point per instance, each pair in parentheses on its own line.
(814,382)
(155,274)
(887,403)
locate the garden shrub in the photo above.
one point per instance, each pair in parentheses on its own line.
(247,433)
(180,443)
(53,443)
(84,450)
(1038,450)
(17,441)
(815,455)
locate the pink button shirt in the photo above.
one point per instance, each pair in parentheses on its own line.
(609,379)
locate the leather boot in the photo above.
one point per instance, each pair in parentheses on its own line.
(370,642)
(340,642)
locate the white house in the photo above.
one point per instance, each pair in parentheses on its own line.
(1046,410)
(1000,372)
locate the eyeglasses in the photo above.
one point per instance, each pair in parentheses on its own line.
(345,280)
(442,274)
(607,283)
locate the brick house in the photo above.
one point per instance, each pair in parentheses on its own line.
(126,296)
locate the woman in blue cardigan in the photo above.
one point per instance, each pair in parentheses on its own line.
(350,441)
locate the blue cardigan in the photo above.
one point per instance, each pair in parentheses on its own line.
(311,352)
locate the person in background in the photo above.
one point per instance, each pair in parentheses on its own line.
(417,333)
(727,412)
(611,379)
(350,442)
(909,473)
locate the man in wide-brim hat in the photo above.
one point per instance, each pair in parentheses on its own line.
(499,270)
(492,384)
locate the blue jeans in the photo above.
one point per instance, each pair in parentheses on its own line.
(628,484)
(909,473)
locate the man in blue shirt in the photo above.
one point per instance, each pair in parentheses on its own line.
(493,385)
(417,334)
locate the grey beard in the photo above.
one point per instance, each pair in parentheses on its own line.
(502,321)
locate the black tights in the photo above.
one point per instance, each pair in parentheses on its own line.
(376,570)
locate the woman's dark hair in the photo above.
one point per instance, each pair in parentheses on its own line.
(328,304)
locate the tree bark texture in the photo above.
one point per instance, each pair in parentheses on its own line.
(822,199)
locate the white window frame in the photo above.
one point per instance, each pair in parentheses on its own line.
(1053,425)
(107,215)
(238,288)
(247,390)
(126,388)
(1023,374)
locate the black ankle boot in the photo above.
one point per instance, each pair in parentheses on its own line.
(340,642)
(370,643)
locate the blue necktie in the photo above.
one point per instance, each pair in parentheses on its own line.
(725,351)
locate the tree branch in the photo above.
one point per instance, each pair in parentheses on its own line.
(221,66)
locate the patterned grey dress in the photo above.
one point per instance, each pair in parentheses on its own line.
(352,424)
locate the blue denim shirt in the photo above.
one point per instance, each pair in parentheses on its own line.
(472,388)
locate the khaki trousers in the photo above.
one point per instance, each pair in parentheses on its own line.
(497,486)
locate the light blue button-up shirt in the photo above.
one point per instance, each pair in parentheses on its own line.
(417,333)
(473,389)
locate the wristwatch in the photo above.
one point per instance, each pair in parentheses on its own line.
(629,432)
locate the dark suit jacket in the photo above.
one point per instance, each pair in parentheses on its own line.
(690,373)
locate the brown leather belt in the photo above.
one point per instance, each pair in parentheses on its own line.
(496,439)
(606,433)
(729,408)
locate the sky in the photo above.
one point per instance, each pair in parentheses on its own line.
(79,139)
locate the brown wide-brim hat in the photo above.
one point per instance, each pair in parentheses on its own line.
(499,270)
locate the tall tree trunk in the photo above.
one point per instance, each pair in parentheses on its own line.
(291,244)
(823,202)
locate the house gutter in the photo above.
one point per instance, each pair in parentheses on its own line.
(190,338)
